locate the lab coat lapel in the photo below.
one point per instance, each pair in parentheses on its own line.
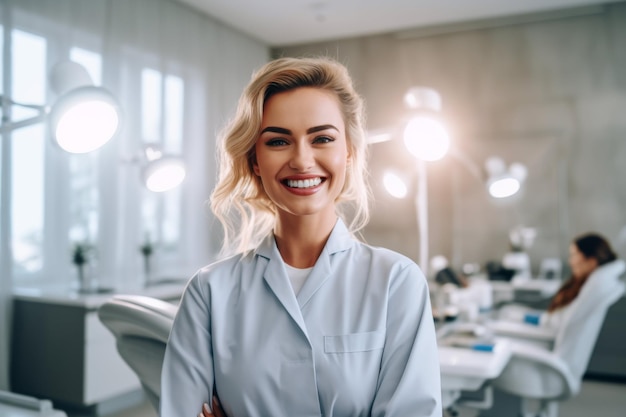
(339,240)
(275,275)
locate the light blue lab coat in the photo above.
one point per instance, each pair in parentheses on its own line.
(358,340)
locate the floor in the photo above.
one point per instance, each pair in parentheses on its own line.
(603,399)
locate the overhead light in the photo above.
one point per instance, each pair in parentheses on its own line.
(503,182)
(503,187)
(395,185)
(82,118)
(161,172)
(425,136)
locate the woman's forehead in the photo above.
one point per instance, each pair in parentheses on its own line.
(304,104)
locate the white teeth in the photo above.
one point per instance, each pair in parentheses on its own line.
(313,182)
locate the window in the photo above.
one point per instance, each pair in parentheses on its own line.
(54,199)
(83,179)
(2,196)
(162,124)
(27,187)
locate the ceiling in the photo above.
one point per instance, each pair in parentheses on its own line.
(291,22)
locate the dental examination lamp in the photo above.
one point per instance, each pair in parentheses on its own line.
(504,182)
(82,118)
(160,172)
(426,137)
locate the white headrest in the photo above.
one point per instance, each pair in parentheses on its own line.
(614,268)
(605,277)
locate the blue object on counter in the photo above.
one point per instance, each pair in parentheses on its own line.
(483,347)
(532,319)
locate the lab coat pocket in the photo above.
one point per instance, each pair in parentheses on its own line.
(355,342)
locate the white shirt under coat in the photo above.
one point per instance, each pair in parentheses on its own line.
(357,340)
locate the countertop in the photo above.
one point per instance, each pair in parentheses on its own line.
(64,295)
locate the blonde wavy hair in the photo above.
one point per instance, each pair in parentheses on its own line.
(239,200)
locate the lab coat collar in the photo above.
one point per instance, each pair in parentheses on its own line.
(339,240)
(276,277)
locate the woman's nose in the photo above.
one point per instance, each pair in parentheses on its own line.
(302,158)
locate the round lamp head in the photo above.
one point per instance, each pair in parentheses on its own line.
(394,185)
(84,119)
(164,173)
(503,187)
(426,138)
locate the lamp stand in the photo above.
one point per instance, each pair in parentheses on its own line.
(421,208)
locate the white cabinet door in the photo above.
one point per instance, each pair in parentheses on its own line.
(106,373)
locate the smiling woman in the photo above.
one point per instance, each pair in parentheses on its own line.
(304,319)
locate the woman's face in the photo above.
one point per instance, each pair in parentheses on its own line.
(580,265)
(302,151)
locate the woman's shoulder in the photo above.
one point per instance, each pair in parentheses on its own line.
(383,257)
(382,253)
(225,267)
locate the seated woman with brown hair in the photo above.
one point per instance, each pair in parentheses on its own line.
(587,252)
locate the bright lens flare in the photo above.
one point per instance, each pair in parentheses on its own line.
(165,178)
(86,126)
(394,185)
(504,187)
(426,138)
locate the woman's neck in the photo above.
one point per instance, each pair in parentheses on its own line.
(301,239)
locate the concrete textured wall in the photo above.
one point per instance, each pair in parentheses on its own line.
(549,93)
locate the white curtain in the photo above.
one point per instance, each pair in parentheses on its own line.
(215,61)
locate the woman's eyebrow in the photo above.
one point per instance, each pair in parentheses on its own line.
(320,128)
(284,131)
(275,129)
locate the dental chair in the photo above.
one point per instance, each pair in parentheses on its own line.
(141,326)
(548,367)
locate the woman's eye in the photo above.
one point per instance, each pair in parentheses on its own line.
(276,142)
(323,139)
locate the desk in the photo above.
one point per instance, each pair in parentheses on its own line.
(534,289)
(467,369)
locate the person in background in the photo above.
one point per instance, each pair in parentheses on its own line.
(586,253)
(300,318)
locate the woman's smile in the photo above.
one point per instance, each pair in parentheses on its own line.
(306,183)
(303,186)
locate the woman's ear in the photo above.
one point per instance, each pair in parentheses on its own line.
(255,166)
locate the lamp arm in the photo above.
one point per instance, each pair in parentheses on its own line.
(469,164)
(7,126)
(8,101)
